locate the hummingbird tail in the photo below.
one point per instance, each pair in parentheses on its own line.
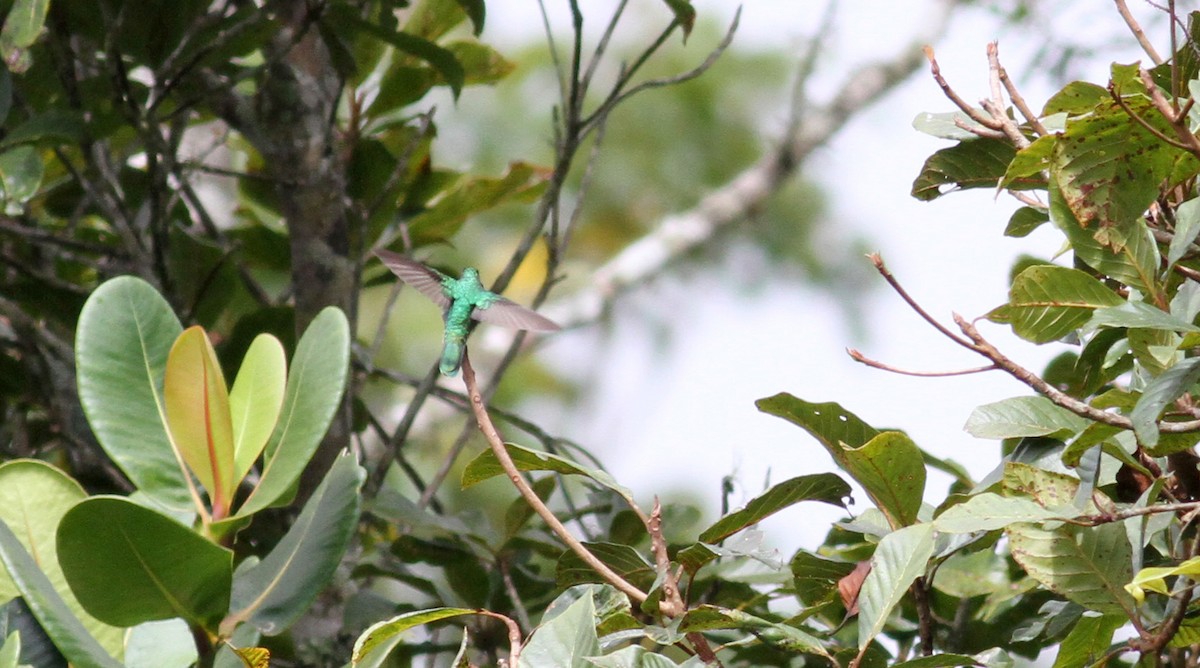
(452,354)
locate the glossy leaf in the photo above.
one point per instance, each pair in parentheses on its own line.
(978,163)
(1109,166)
(22,25)
(21,172)
(1024,221)
(1158,394)
(1139,315)
(623,559)
(1154,578)
(988,511)
(1088,642)
(1047,302)
(143,567)
(368,649)
(778,634)
(273,593)
(888,465)
(824,487)
(125,331)
(1087,565)
(901,557)
(70,636)
(196,400)
(486,466)
(255,401)
(165,644)
(565,640)
(1134,262)
(33,498)
(316,381)
(1022,416)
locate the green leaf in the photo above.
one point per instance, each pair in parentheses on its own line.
(1154,578)
(316,381)
(1187,226)
(70,636)
(978,163)
(900,558)
(945,125)
(1134,262)
(940,661)
(443,61)
(276,591)
(51,128)
(1022,416)
(158,644)
(22,26)
(1159,393)
(373,644)
(1047,302)
(1030,163)
(1076,98)
(476,11)
(1139,315)
(125,331)
(21,172)
(1024,221)
(989,511)
(196,400)
(481,63)
(824,487)
(469,196)
(144,566)
(566,639)
(623,559)
(1109,166)
(778,634)
(33,498)
(1087,565)
(255,401)
(888,465)
(632,656)
(685,15)
(486,466)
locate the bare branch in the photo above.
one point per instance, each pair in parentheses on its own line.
(1138,33)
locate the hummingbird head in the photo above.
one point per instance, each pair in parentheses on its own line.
(470,274)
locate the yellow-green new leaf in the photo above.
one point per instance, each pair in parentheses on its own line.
(255,401)
(1154,579)
(197,407)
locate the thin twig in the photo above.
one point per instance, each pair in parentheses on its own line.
(975,115)
(1017,99)
(518,481)
(1138,33)
(1178,121)
(877,260)
(863,359)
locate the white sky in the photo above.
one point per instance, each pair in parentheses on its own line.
(676,418)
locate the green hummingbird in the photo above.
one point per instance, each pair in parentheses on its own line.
(461,300)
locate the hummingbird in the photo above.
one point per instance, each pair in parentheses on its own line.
(461,300)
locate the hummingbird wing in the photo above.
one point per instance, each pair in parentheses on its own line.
(507,313)
(426,280)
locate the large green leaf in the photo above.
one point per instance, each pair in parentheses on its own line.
(1140,315)
(977,163)
(900,558)
(988,511)
(1047,302)
(56,619)
(1134,261)
(374,644)
(196,400)
(486,466)
(1087,565)
(566,640)
(622,559)
(888,465)
(1022,416)
(126,329)
(823,487)
(1110,166)
(143,566)
(1158,394)
(777,634)
(273,593)
(255,400)
(33,498)
(316,381)
(1088,642)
